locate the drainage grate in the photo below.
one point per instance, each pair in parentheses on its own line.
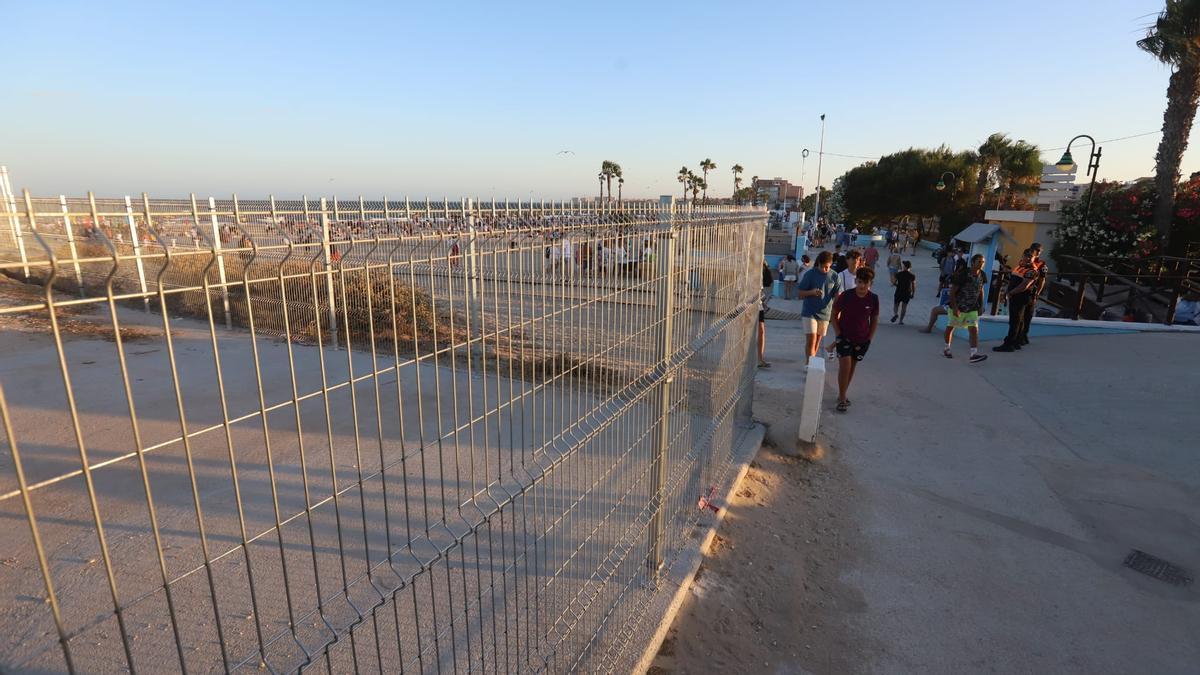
(1160,569)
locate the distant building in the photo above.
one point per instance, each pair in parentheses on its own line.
(779,193)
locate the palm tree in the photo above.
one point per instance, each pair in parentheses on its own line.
(991,153)
(1175,40)
(610,170)
(620,184)
(737,177)
(754,184)
(1020,170)
(682,177)
(706,166)
(696,184)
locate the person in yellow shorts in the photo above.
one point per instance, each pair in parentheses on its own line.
(966,300)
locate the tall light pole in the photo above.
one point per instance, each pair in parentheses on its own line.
(820,156)
(803,157)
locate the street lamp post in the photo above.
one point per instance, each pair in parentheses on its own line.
(941,184)
(820,156)
(1067,163)
(803,157)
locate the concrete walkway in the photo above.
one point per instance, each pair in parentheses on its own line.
(995,503)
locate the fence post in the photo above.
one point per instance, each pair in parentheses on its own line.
(137,252)
(1169,319)
(472,270)
(62,202)
(216,235)
(327,259)
(1081,297)
(14,221)
(658,466)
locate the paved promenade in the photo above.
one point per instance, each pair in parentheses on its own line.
(980,513)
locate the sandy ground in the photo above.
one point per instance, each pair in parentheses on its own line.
(962,518)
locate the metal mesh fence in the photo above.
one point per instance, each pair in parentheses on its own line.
(391,436)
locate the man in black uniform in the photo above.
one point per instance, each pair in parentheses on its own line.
(1035,291)
(1019,284)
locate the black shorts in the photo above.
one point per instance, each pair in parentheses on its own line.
(762,315)
(855,350)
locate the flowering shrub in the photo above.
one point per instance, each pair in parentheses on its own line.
(1121,221)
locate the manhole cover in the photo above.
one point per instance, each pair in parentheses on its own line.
(1151,566)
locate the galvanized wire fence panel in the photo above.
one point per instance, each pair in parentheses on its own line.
(359,435)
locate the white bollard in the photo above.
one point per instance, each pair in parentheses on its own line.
(810,407)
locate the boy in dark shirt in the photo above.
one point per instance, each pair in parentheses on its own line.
(906,290)
(855,318)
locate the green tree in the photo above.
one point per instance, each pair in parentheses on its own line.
(706,166)
(610,170)
(1019,173)
(990,156)
(835,204)
(808,204)
(1174,39)
(746,194)
(737,177)
(903,184)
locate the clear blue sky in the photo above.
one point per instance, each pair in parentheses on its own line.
(475,99)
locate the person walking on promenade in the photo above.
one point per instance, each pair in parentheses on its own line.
(1020,283)
(768,281)
(948,265)
(847,276)
(1035,291)
(789,271)
(966,301)
(846,281)
(893,263)
(871,256)
(839,258)
(854,320)
(906,290)
(818,288)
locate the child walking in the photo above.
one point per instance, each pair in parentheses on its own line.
(906,290)
(854,320)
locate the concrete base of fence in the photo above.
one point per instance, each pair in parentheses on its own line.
(677,579)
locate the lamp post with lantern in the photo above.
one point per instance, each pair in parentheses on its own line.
(941,184)
(1067,163)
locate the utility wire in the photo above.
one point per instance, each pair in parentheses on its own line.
(1111,140)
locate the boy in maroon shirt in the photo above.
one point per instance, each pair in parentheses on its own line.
(855,318)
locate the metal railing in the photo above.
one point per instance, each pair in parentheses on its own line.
(369,435)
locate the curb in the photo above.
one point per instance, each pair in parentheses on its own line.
(693,558)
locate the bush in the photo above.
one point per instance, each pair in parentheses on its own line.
(1120,223)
